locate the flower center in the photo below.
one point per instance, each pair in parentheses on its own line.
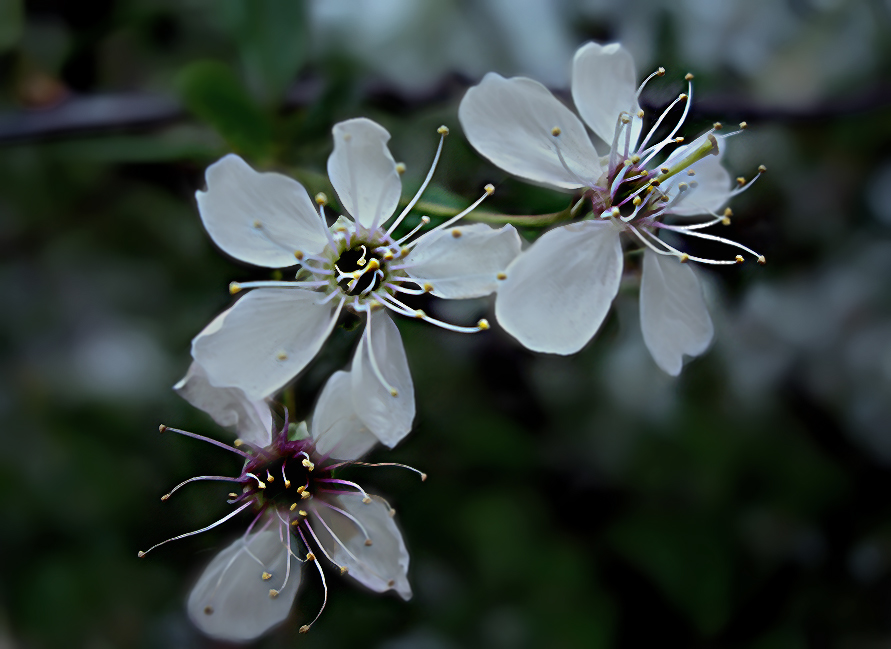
(285,476)
(362,270)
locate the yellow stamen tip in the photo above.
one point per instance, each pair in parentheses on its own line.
(428,287)
(298,254)
(237,443)
(725,220)
(423,477)
(282,356)
(443,130)
(682,96)
(739,259)
(266,576)
(321,198)
(556,131)
(743,125)
(140,554)
(762,260)
(303,629)
(165,497)
(400,168)
(490,189)
(660,72)
(302,512)
(162,428)
(310,556)
(368,542)
(394,392)
(483,324)
(420,313)
(501,276)
(344,570)
(688,77)
(762,169)
(273,593)
(684,258)
(366,500)
(305,495)
(294,506)
(257,224)
(636,201)
(234,287)
(717,126)
(456,233)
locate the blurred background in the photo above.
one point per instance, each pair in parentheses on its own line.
(589,501)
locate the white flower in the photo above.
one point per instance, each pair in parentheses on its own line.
(267,219)
(557,293)
(297,503)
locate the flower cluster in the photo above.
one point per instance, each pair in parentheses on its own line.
(552,297)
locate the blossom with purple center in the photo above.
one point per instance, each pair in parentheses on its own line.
(291,481)
(555,295)
(266,219)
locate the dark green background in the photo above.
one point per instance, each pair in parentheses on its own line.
(587,501)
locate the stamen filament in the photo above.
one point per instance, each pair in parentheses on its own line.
(200,477)
(710,237)
(162,428)
(426,182)
(225,518)
(489,190)
(306,627)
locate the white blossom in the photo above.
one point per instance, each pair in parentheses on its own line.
(555,295)
(268,219)
(302,514)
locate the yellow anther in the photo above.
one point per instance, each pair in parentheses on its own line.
(404,252)
(483,324)
(294,506)
(233,495)
(301,489)
(321,198)
(688,77)
(269,477)
(644,173)
(400,168)
(162,428)
(309,465)
(273,593)
(625,118)
(428,287)
(238,442)
(627,163)
(366,500)
(690,172)
(728,212)
(640,113)
(655,182)
(556,131)
(717,126)
(287,483)
(373,264)
(739,259)
(234,287)
(344,570)
(208,610)
(762,169)
(368,542)
(165,497)
(298,254)
(501,276)
(743,125)
(490,189)
(257,224)
(266,576)
(762,260)
(682,187)
(388,256)
(684,258)
(664,170)
(140,554)
(615,211)
(660,72)
(636,201)
(420,313)
(305,495)
(295,522)
(682,96)
(443,130)
(391,583)
(310,556)
(423,478)
(303,629)
(282,356)
(740,181)
(635,159)
(678,140)
(303,513)
(725,220)
(456,233)
(394,392)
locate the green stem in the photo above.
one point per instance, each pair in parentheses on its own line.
(528,220)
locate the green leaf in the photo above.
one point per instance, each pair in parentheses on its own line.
(10,23)
(272,37)
(212,92)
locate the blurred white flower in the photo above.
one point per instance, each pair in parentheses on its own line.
(556,294)
(267,219)
(288,481)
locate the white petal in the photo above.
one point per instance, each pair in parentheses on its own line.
(336,428)
(229,407)
(231,599)
(267,337)
(510,122)
(673,315)
(604,84)
(465,265)
(363,171)
(260,218)
(558,292)
(380,566)
(388,417)
(710,186)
